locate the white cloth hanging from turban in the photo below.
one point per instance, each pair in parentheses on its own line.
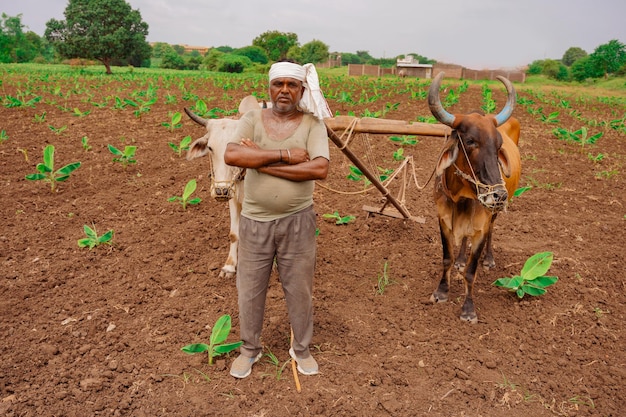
(313,100)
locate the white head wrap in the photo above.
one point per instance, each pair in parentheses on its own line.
(313,100)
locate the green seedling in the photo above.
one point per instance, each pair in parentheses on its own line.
(531,280)
(339,219)
(390,107)
(119,103)
(85,142)
(4,136)
(57,130)
(278,367)
(551,118)
(579,136)
(79,113)
(374,114)
(92,240)
(426,119)
(40,118)
(216,345)
(419,95)
(140,106)
(489,105)
(125,158)
(184,200)
(398,155)
(383,281)
(404,140)
(357,175)
(180,148)
(521,191)
(174,122)
(20,101)
(46,169)
(595,159)
(170,99)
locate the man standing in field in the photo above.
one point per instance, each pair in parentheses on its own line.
(285,149)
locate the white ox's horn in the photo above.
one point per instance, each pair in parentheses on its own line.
(196,118)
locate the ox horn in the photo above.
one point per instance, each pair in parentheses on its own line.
(196,118)
(507,111)
(435,104)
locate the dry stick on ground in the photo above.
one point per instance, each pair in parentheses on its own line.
(294,368)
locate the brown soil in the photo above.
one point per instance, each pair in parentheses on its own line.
(99,332)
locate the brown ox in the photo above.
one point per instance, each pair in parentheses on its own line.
(476,175)
(225,180)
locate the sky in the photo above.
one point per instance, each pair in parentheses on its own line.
(478,34)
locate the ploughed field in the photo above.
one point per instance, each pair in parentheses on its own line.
(99,332)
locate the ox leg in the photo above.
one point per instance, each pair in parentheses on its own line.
(489,261)
(229,270)
(461,259)
(441,293)
(468,311)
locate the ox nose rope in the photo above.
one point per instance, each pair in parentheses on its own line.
(489,190)
(225,190)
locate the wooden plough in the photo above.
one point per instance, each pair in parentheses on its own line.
(380,126)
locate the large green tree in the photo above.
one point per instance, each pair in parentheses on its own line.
(105,30)
(15,45)
(572,55)
(609,57)
(255,53)
(314,52)
(276,44)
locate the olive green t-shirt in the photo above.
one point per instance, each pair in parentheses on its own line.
(267,197)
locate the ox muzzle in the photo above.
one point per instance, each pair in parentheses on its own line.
(222,190)
(493,197)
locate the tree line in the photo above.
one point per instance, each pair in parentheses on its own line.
(111,32)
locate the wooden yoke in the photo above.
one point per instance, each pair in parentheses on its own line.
(387,126)
(379,126)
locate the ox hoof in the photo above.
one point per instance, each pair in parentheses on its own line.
(227,274)
(488,264)
(438,297)
(470,317)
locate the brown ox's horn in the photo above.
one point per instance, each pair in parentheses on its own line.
(435,104)
(507,111)
(195,117)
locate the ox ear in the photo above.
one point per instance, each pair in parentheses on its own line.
(198,148)
(503,161)
(248,103)
(448,156)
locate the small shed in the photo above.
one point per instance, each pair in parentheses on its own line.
(410,67)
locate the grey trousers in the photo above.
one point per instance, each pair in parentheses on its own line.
(291,241)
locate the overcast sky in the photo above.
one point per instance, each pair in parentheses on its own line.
(474,33)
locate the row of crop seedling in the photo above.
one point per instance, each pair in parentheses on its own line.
(616,123)
(531,281)
(48,173)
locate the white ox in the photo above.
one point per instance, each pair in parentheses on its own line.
(225,180)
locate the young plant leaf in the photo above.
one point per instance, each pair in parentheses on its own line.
(220,331)
(531,290)
(195,348)
(227,347)
(189,189)
(537,265)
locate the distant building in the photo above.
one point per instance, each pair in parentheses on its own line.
(188,48)
(202,49)
(410,67)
